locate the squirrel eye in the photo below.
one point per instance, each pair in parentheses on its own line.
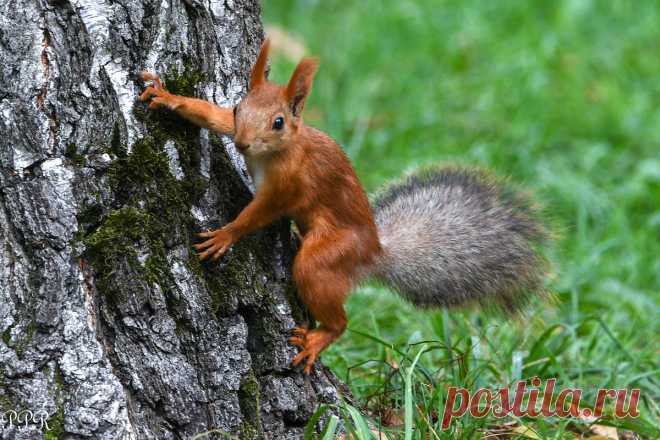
(278,123)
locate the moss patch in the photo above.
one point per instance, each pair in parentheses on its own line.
(20,344)
(56,421)
(152,210)
(6,404)
(72,154)
(249,397)
(6,336)
(116,146)
(56,425)
(184,83)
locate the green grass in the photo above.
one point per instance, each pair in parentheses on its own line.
(563,97)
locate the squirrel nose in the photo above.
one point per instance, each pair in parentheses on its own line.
(241,146)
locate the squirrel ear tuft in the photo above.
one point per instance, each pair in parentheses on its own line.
(300,84)
(258,75)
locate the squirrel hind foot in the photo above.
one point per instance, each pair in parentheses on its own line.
(312,342)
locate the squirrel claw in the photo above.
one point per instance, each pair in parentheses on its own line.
(312,342)
(148,76)
(155,94)
(215,246)
(311,358)
(297,341)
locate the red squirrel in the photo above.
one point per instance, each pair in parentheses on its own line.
(443,237)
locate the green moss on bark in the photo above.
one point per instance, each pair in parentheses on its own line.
(5,402)
(116,146)
(21,343)
(6,336)
(249,401)
(56,421)
(72,154)
(186,82)
(153,207)
(28,336)
(113,244)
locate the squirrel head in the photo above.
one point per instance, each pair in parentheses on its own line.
(267,120)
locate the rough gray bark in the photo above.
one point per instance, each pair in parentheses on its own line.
(109,323)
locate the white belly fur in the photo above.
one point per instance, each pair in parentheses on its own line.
(256,170)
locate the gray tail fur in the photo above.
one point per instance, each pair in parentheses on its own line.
(453,236)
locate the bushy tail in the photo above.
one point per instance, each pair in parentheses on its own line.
(453,236)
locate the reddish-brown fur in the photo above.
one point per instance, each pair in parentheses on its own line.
(299,172)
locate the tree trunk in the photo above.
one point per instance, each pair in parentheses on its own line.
(110,324)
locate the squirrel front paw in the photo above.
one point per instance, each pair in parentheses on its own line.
(155,94)
(217,244)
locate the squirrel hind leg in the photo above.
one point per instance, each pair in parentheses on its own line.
(324,297)
(323,291)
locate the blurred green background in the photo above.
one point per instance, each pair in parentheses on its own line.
(561,96)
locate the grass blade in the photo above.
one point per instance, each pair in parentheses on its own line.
(362,427)
(408,418)
(311,424)
(330,429)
